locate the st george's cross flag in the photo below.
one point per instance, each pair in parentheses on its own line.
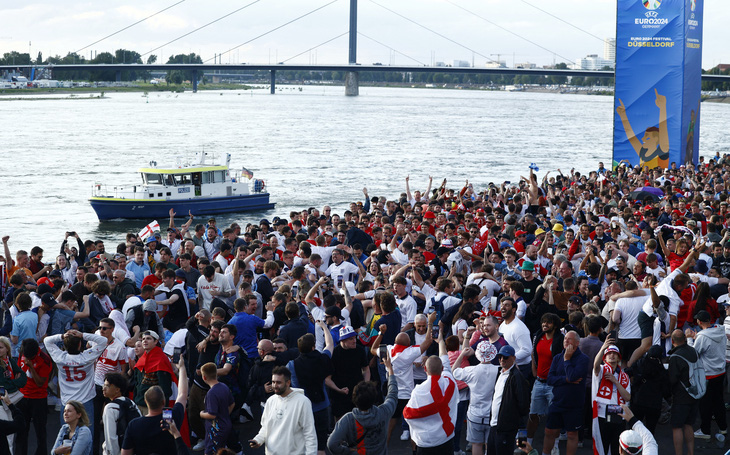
(431,411)
(149,230)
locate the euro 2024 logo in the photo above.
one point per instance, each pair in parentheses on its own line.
(651,4)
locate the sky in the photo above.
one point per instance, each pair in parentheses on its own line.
(513,31)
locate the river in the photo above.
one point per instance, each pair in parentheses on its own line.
(312,146)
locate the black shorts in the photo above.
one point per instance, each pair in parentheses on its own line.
(646,324)
(400,407)
(322,427)
(627,346)
(569,420)
(684,414)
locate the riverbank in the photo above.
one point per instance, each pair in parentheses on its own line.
(136,88)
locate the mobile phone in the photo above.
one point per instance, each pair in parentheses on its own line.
(166,417)
(613,334)
(613,409)
(521,438)
(383,353)
(435,332)
(176,355)
(340,278)
(2,391)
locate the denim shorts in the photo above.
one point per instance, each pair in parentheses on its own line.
(542,395)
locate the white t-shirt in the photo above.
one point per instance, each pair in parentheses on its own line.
(347,270)
(665,288)
(220,283)
(459,325)
(630,307)
(76,371)
(517,335)
(491,286)
(408,309)
(403,368)
(481,380)
(110,361)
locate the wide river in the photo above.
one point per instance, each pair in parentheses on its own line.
(312,146)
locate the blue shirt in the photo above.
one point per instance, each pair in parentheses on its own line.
(561,376)
(246,337)
(24,327)
(139,271)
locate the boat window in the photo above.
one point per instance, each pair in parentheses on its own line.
(153,179)
(206,177)
(220,176)
(169,181)
(182,179)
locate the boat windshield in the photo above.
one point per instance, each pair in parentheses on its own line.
(182,179)
(152,179)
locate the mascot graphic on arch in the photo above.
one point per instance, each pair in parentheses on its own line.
(653,148)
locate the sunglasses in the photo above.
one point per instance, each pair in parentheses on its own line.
(104,328)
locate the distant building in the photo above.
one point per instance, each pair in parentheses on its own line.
(609,49)
(440,64)
(526,65)
(723,67)
(496,64)
(461,64)
(593,63)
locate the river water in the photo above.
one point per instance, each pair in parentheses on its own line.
(312,146)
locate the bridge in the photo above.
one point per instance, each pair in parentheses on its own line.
(351,70)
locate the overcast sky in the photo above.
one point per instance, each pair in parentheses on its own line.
(59,27)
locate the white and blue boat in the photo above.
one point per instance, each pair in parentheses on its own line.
(205,186)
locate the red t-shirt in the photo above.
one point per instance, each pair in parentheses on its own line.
(676,260)
(544,357)
(152,280)
(42,366)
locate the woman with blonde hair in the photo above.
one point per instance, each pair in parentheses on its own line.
(74,437)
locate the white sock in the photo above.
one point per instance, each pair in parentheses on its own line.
(557,442)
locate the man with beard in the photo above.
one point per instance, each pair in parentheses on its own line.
(489,331)
(517,335)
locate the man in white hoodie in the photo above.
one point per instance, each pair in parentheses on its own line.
(287,424)
(710,346)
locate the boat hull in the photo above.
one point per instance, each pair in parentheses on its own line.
(110,208)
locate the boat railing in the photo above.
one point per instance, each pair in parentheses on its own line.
(126,191)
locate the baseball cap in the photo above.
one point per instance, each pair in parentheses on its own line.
(333,311)
(347,332)
(631,442)
(48,300)
(264,221)
(150,239)
(55,273)
(519,233)
(446,243)
(506,351)
(151,333)
(703,316)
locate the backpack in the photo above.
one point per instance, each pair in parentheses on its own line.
(128,411)
(697,379)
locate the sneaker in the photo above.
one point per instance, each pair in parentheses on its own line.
(459,452)
(563,437)
(700,435)
(405,436)
(555,451)
(200,446)
(468,447)
(723,432)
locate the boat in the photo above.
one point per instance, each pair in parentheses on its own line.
(204,186)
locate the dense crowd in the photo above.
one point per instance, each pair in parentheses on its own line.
(592,304)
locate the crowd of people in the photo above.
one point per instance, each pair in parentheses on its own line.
(592,304)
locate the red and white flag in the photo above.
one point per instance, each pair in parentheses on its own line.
(149,230)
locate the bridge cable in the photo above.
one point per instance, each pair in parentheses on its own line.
(510,31)
(565,22)
(276,28)
(201,27)
(394,50)
(129,26)
(315,47)
(433,31)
